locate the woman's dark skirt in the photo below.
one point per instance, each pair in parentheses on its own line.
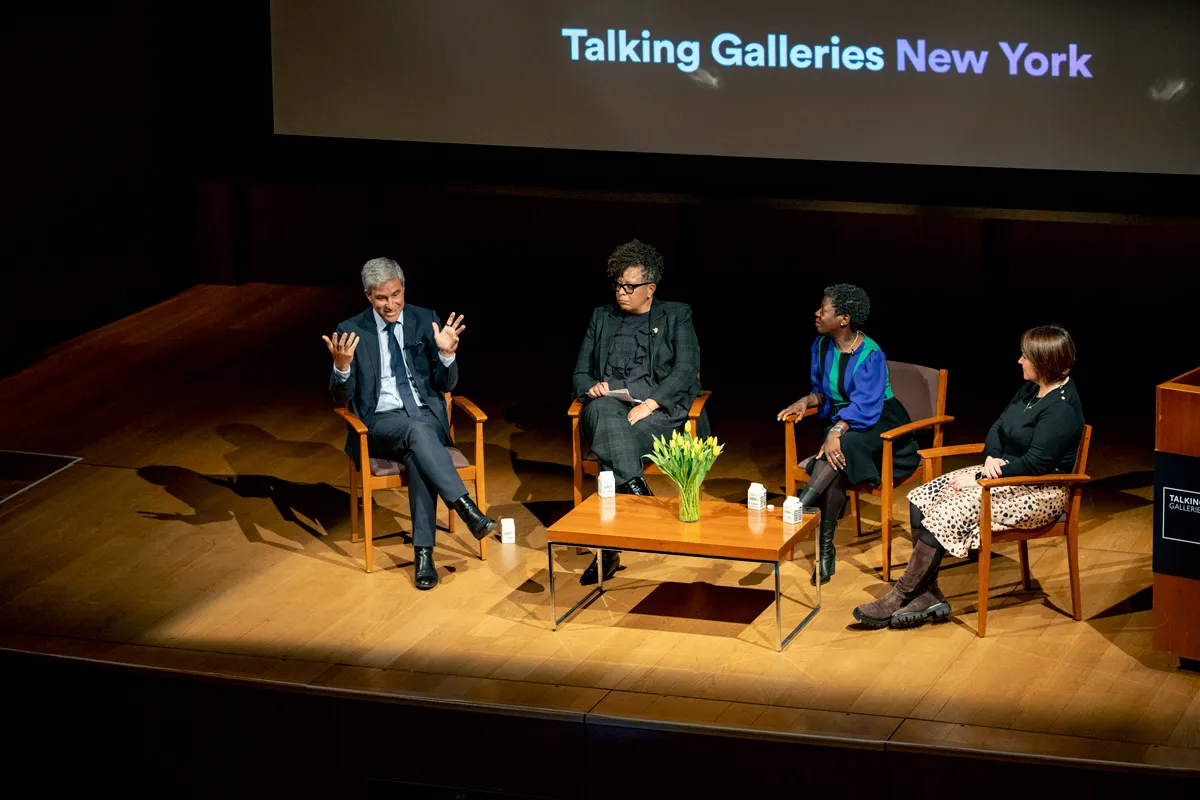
(864,449)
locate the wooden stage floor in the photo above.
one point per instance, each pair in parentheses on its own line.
(206,530)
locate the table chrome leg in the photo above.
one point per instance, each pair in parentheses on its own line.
(550,570)
(812,613)
(587,598)
(817,570)
(778,613)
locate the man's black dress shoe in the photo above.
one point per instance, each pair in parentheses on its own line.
(612,561)
(635,486)
(427,576)
(478,523)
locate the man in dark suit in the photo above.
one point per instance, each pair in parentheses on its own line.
(646,350)
(392,364)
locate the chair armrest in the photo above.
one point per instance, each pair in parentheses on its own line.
(472,410)
(576,409)
(1033,480)
(808,412)
(354,422)
(920,424)
(952,450)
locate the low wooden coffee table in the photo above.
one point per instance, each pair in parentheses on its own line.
(727,531)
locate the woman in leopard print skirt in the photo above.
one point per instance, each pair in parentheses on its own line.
(1038,434)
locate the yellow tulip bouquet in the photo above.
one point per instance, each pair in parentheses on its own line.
(686,460)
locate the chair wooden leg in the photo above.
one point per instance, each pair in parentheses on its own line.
(355,481)
(482,507)
(368,520)
(451,517)
(789,459)
(1023,545)
(885,516)
(1073,566)
(576,462)
(886,546)
(854,513)
(985,576)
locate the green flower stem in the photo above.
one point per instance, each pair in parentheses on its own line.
(689,502)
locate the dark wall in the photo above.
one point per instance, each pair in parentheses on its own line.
(113,112)
(90,217)
(948,291)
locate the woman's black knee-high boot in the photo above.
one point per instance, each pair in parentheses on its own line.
(827,550)
(832,500)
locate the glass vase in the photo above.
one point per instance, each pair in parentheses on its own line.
(689,502)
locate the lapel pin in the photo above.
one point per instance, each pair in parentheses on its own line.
(656,330)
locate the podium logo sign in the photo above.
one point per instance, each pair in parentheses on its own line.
(1177,515)
(1181,515)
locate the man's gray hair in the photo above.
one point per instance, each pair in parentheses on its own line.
(380,270)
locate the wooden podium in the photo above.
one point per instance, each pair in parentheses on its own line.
(1177,518)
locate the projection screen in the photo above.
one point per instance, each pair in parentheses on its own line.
(1094,85)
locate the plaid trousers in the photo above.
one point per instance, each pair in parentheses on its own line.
(618,445)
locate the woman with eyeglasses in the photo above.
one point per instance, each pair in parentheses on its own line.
(849,379)
(637,374)
(1038,433)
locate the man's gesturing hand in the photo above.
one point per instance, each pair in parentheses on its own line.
(341,347)
(446,338)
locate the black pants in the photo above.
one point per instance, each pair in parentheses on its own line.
(420,445)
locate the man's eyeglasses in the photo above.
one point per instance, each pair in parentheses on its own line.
(628,288)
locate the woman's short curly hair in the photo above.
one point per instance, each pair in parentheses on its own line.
(636,254)
(850,300)
(1050,350)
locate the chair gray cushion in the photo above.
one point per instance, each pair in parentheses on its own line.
(382,467)
(916,388)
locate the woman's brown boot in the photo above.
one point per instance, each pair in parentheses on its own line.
(922,567)
(929,605)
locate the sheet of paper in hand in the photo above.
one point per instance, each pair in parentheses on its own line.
(624,396)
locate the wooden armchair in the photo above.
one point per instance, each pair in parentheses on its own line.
(1066,525)
(587,464)
(368,474)
(922,391)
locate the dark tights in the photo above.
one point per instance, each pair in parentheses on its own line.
(917,519)
(830,486)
